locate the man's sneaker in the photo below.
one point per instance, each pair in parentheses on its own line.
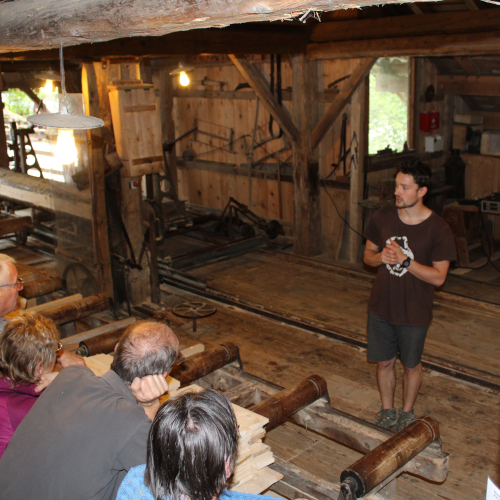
(405,418)
(386,418)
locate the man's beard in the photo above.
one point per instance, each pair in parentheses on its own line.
(405,205)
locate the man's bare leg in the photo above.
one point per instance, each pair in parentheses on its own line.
(386,378)
(411,385)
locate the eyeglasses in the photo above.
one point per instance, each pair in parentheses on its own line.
(59,347)
(18,283)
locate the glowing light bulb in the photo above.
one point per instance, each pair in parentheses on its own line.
(48,86)
(65,150)
(183,79)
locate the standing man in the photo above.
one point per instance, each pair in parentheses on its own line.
(412,248)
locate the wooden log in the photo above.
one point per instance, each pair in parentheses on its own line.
(289,401)
(205,362)
(71,23)
(75,339)
(9,225)
(372,469)
(101,344)
(41,287)
(76,310)
(41,193)
(55,303)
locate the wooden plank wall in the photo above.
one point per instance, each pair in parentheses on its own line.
(217,116)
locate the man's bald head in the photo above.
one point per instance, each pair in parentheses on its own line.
(7,272)
(8,294)
(146,348)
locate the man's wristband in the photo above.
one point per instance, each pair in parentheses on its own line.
(147,404)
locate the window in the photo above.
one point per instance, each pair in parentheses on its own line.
(389,101)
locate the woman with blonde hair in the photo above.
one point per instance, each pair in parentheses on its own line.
(28,348)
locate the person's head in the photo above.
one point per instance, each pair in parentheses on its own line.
(146,348)
(413,179)
(191,447)
(9,287)
(28,347)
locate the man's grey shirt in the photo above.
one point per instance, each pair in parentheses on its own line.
(77,442)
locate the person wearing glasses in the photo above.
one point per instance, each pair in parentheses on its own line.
(10,286)
(29,345)
(86,432)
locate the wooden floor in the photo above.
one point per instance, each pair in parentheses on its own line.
(469,415)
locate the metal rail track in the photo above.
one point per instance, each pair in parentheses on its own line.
(482,378)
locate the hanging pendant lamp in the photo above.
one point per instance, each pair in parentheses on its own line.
(65,118)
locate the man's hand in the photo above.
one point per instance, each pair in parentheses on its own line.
(147,391)
(45,381)
(396,253)
(65,358)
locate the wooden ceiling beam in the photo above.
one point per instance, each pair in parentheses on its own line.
(468,65)
(90,21)
(469,85)
(248,39)
(445,23)
(260,86)
(429,45)
(348,88)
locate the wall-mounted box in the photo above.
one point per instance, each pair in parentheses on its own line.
(433,144)
(429,121)
(490,143)
(137,129)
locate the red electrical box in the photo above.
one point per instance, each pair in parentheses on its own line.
(429,121)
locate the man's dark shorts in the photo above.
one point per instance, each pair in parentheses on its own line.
(384,341)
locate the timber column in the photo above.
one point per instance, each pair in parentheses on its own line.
(307,223)
(4,160)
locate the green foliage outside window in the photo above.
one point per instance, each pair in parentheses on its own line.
(17,102)
(388,122)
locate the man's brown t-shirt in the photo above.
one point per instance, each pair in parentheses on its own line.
(397,296)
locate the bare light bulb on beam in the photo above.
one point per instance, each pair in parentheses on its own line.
(183,79)
(65,150)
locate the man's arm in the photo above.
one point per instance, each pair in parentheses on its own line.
(435,275)
(374,258)
(147,391)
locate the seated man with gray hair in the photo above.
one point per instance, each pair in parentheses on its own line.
(191,452)
(86,432)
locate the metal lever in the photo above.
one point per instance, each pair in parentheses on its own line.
(348,489)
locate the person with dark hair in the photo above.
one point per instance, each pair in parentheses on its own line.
(411,247)
(91,430)
(191,452)
(28,349)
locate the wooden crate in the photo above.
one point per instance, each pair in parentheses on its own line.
(482,176)
(137,128)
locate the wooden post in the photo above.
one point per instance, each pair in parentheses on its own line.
(307,223)
(96,179)
(359,126)
(167,121)
(139,284)
(4,160)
